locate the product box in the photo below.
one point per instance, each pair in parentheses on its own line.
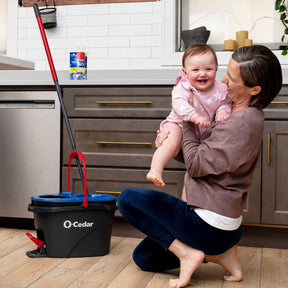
(78,65)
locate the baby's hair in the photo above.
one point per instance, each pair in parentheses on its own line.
(198,49)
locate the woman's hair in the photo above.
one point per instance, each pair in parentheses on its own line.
(259,67)
(198,49)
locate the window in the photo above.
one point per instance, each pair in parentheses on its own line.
(223,18)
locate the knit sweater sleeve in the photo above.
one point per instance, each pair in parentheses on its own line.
(224,149)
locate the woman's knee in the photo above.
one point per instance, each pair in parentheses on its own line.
(129,197)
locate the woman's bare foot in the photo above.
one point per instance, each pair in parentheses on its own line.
(190,260)
(229,261)
(156,179)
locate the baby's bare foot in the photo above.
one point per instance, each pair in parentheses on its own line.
(157,180)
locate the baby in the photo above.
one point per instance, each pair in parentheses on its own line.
(196,97)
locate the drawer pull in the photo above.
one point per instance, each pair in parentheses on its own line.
(279,102)
(107,192)
(124,143)
(124,102)
(268,148)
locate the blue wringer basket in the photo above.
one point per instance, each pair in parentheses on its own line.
(72,224)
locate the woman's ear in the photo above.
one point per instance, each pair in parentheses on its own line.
(255,90)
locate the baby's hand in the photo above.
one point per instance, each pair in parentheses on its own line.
(203,122)
(221,115)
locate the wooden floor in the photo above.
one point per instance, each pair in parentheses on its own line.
(263,268)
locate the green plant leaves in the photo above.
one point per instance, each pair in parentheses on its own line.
(281,6)
(277,4)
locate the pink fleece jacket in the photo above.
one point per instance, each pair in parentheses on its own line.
(205,103)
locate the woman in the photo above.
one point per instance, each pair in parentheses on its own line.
(206,224)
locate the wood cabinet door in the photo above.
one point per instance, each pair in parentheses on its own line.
(118,102)
(115,142)
(252,210)
(275,173)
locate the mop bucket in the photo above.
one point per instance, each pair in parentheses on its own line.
(72,224)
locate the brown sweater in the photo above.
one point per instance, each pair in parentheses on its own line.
(222,162)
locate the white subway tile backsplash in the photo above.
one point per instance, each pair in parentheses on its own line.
(145,63)
(108,64)
(98,9)
(130,30)
(145,41)
(130,8)
(72,21)
(144,18)
(109,41)
(140,52)
(116,36)
(108,19)
(97,53)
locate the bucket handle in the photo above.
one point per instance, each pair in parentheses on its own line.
(81,156)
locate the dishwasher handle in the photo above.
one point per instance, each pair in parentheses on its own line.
(29,104)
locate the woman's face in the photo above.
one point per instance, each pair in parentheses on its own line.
(237,91)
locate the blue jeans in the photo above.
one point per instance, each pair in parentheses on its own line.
(164,218)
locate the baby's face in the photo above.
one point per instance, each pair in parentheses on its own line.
(201,71)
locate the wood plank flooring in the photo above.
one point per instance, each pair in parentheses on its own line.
(262,268)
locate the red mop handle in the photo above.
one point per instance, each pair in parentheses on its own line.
(72,156)
(45,42)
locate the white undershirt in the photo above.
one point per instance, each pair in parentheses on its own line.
(219,221)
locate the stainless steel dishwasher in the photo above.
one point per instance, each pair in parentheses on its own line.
(29,149)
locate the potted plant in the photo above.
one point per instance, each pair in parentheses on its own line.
(282,7)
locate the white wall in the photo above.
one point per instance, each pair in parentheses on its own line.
(135,35)
(116,36)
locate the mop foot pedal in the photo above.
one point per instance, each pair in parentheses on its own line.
(37,253)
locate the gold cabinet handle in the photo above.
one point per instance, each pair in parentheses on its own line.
(124,143)
(124,102)
(268,148)
(108,192)
(279,102)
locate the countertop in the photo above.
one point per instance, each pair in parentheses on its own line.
(102,77)
(10,63)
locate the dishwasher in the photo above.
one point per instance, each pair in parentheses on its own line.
(29,149)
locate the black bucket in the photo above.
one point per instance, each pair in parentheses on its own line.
(72,224)
(71,230)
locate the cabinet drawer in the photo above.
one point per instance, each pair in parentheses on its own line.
(118,102)
(115,142)
(113,181)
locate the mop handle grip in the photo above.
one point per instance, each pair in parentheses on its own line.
(36,10)
(45,42)
(73,155)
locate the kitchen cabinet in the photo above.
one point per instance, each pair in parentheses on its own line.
(115,127)
(275,173)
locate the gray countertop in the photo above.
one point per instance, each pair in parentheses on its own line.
(96,77)
(101,77)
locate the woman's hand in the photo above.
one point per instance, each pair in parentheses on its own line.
(161,136)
